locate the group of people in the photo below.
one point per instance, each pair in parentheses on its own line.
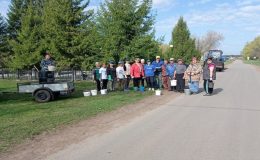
(157,75)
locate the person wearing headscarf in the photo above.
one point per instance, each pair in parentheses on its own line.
(193,75)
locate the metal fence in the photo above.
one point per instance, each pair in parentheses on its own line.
(33,74)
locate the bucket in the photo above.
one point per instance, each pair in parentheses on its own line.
(173,82)
(51,68)
(86,94)
(187,92)
(93,92)
(142,89)
(103,91)
(158,92)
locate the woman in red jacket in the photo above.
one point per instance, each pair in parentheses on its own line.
(137,73)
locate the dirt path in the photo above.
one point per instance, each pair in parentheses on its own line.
(49,143)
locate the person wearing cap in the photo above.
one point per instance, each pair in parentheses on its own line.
(193,74)
(120,74)
(137,72)
(149,70)
(47,61)
(158,72)
(179,76)
(96,75)
(111,73)
(46,76)
(127,68)
(142,80)
(209,74)
(165,76)
(171,67)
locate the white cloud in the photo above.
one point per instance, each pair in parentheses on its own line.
(164,4)
(199,2)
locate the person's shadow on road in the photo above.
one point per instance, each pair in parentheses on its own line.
(217,91)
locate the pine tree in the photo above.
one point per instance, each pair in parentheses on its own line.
(27,46)
(183,45)
(3,42)
(126,29)
(67,32)
(15,13)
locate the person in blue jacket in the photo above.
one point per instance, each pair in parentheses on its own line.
(158,72)
(171,67)
(149,70)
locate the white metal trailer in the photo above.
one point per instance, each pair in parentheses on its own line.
(47,91)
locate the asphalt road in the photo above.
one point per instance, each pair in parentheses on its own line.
(225,126)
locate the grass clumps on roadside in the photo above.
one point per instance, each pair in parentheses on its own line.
(253,62)
(22,118)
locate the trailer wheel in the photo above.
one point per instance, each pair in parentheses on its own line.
(42,96)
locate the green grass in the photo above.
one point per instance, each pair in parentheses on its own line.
(229,62)
(253,62)
(22,118)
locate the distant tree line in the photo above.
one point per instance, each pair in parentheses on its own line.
(76,36)
(252,49)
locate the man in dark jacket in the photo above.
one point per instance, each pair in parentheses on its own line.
(46,76)
(47,61)
(111,73)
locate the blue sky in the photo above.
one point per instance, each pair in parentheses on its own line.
(237,20)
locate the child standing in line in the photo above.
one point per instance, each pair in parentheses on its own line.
(103,76)
(120,73)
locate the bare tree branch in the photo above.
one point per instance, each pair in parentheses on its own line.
(211,40)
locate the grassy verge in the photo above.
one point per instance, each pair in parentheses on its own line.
(22,118)
(253,62)
(229,62)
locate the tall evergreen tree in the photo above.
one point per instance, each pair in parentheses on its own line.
(67,31)
(3,42)
(15,13)
(126,29)
(183,45)
(27,46)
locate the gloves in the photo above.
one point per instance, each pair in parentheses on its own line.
(210,79)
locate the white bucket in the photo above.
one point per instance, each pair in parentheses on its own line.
(103,91)
(158,92)
(86,94)
(173,82)
(51,68)
(93,92)
(187,92)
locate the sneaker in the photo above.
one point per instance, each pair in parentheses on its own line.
(207,94)
(152,89)
(149,89)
